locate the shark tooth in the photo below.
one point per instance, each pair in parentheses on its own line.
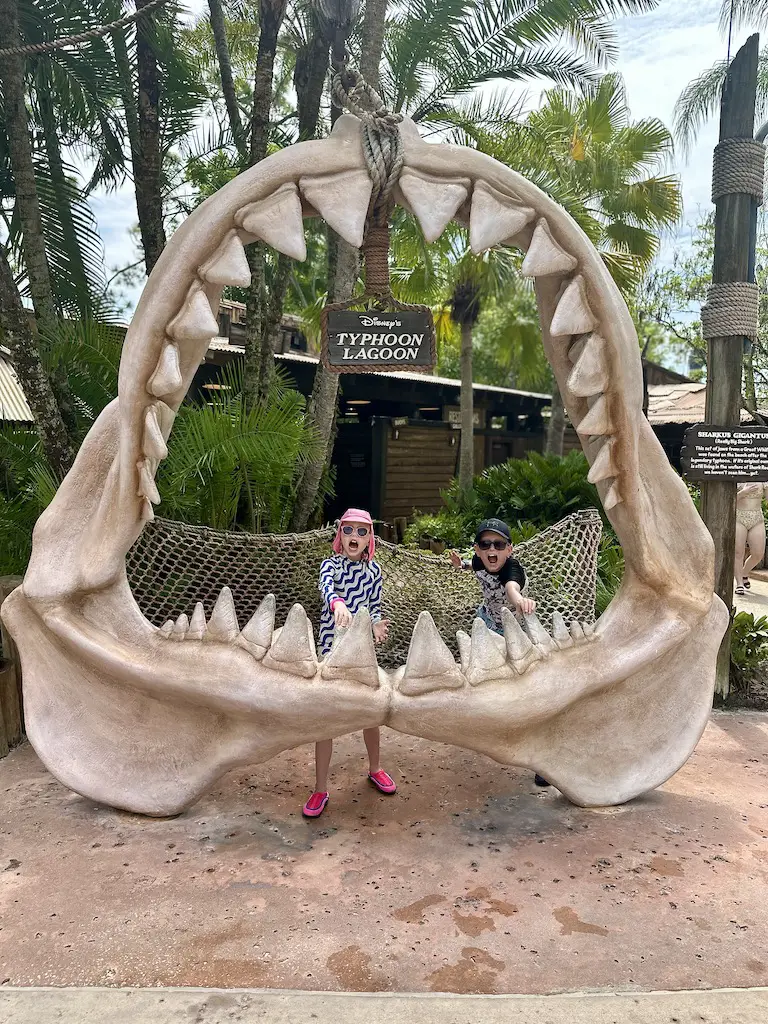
(222,624)
(433,201)
(538,634)
(560,632)
(147,486)
(573,315)
(465,644)
(602,468)
(166,378)
(577,632)
(197,623)
(597,419)
(430,665)
(520,651)
(165,418)
(228,265)
(487,660)
(153,445)
(167,628)
(195,322)
(588,629)
(147,512)
(353,656)
(494,218)
(590,374)
(180,627)
(256,634)
(291,650)
(277,220)
(544,256)
(613,497)
(342,200)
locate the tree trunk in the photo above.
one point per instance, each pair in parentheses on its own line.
(25,356)
(467,450)
(372,40)
(273,314)
(271,14)
(148,169)
(556,429)
(309,82)
(218,27)
(20,151)
(321,408)
(127,93)
(344,260)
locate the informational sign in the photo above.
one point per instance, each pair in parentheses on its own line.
(366,342)
(725,453)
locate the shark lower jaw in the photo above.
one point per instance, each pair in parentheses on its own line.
(146,719)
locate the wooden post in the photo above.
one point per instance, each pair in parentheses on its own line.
(733,259)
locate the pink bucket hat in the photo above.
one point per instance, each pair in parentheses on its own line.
(355,515)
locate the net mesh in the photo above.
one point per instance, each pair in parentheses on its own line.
(173,565)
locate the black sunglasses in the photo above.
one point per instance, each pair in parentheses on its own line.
(497,545)
(362,531)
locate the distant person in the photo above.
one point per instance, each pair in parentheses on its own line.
(750,532)
(349,581)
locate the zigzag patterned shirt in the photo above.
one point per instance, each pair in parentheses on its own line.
(358,584)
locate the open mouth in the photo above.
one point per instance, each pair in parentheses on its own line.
(146,719)
(493,560)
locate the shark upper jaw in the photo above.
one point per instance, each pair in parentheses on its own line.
(129,715)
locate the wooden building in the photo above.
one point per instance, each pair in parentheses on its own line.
(397,443)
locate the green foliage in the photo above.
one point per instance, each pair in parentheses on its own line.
(610,571)
(231,466)
(749,647)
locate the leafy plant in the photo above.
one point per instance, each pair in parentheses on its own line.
(231,466)
(749,647)
(610,571)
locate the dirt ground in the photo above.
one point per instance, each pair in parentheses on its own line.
(469,880)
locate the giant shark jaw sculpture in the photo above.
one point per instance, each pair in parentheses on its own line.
(146,719)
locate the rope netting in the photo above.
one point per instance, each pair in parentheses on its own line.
(173,565)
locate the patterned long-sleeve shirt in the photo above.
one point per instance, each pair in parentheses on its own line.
(356,583)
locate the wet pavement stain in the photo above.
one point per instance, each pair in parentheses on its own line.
(413,913)
(570,923)
(473,924)
(666,867)
(352,968)
(467,977)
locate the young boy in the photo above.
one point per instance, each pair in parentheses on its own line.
(501,579)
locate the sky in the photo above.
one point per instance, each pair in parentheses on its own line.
(659,53)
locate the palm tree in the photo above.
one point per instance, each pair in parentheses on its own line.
(583,147)
(700,99)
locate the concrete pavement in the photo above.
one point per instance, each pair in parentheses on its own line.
(244,1006)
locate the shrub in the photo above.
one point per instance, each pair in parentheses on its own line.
(749,647)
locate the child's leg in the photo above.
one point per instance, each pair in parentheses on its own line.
(323,751)
(373,746)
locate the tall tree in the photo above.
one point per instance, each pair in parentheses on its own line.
(147,158)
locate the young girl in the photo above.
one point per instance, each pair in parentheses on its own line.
(349,580)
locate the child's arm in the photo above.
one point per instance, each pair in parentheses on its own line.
(380,625)
(513,589)
(327,587)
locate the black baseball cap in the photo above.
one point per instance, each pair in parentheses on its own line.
(493,526)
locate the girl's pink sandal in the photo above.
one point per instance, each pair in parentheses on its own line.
(383,782)
(315,806)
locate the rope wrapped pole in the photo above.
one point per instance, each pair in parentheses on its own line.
(730,314)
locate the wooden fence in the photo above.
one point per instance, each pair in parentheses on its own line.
(11,710)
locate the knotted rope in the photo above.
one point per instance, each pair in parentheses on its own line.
(738,168)
(81,37)
(731,310)
(382,146)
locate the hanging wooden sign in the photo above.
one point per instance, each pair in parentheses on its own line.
(364,342)
(725,453)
